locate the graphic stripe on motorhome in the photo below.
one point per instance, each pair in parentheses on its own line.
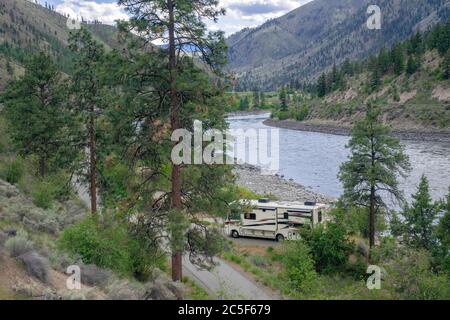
(259,225)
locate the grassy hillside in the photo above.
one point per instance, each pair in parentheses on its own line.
(26,27)
(297,47)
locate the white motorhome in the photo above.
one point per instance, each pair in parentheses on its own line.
(276,220)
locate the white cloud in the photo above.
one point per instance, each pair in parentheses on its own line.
(240,13)
(251,13)
(90,10)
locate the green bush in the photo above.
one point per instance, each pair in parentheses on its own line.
(298,267)
(411,278)
(386,251)
(42,195)
(12,170)
(258,260)
(110,244)
(45,191)
(357,269)
(330,247)
(114,182)
(283,115)
(302,113)
(5,142)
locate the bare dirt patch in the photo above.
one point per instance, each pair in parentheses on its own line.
(442,94)
(406,96)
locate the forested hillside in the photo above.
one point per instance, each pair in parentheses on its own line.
(297,47)
(410,81)
(26,27)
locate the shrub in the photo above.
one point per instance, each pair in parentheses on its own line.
(283,115)
(12,170)
(410,276)
(43,194)
(109,244)
(330,247)
(60,261)
(258,260)
(36,265)
(18,245)
(92,275)
(386,251)
(302,113)
(357,268)
(114,182)
(298,267)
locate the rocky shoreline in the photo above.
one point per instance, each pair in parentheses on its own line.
(247,113)
(345,131)
(286,190)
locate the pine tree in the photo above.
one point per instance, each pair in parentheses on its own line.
(411,66)
(181,24)
(416,45)
(375,79)
(88,97)
(383,61)
(256,100)
(35,108)
(244,103)
(376,160)
(263,100)
(446,67)
(347,68)
(283,99)
(322,86)
(443,39)
(444,224)
(335,78)
(398,59)
(418,220)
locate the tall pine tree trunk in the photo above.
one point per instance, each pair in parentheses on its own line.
(174,105)
(372,219)
(92,162)
(372,209)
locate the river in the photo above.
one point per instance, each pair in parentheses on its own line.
(313,159)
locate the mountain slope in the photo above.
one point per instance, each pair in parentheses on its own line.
(411,102)
(305,42)
(26,27)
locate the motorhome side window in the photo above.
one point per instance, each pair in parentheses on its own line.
(250,216)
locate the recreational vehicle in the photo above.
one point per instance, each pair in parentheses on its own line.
(276,220)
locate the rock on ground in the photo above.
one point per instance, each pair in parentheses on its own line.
(251,178)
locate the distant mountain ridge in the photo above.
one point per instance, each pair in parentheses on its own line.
(300,45)
(26,27)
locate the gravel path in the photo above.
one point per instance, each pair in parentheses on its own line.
(226,283)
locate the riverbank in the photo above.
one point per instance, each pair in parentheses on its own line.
(248,113)
(329,128)
(251,178)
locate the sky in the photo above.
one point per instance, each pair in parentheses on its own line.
(240,13)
